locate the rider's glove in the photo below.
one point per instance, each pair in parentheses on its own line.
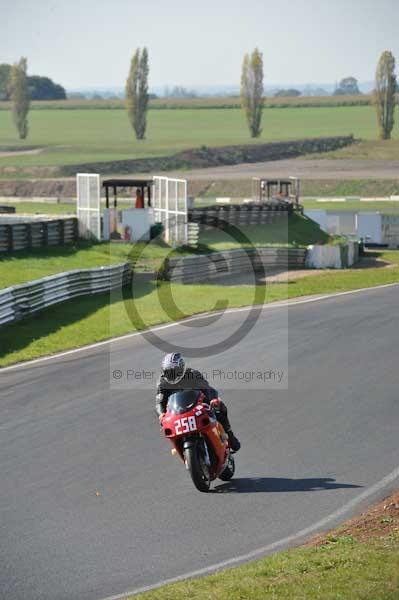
(215,403)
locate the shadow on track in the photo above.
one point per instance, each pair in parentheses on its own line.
(250,485)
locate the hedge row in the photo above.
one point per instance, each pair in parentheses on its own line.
(202,103)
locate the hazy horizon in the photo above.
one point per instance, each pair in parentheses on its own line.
(89,44)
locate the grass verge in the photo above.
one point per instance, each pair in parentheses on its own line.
(23,266)
(386,208)
(91,319)
(351,563)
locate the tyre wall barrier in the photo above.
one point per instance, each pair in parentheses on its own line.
(245,214)
(35,234)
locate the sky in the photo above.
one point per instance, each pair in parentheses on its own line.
(89,43)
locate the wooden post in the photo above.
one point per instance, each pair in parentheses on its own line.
(45,233)
(62,231)
(29,234)
(75,229)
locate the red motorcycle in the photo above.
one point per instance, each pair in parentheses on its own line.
(198,438)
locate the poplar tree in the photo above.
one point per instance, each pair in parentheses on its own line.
(384,94)
(20,98)
(252,91)
(137,96)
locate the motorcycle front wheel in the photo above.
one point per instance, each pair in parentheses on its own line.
(199,471)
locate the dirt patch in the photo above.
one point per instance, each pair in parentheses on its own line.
(34,188)
(18,152)
(272,276)
(382,519)
(330,169)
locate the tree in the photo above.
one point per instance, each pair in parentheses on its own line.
(20,99)
(137,96)
(179,91)
(384,94)
(43,88)
(5,81)
(40,88)
(347,87)
(290,93)
(252,91)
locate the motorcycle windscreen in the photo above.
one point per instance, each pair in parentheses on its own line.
(183,401)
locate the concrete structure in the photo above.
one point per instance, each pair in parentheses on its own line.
(372,227)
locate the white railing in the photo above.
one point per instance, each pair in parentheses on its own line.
(170,207)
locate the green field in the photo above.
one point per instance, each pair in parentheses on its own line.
(387,208)
(82,136)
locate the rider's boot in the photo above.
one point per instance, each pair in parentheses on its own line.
(234,443)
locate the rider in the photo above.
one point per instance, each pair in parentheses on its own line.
(176,376)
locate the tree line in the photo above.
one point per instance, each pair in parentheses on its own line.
(19,89)
(40,88)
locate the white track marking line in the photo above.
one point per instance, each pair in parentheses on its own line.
(303,533)
(270,305)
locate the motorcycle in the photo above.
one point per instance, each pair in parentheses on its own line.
(198,438)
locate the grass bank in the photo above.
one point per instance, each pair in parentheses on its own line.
(365,150)
(91,319)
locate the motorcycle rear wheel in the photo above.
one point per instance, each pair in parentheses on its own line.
(198,469)
(228,472)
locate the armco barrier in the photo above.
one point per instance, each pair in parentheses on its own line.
(34,234)
(203,267)
(28,298)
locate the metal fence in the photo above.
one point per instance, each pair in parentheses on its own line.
(170,208)
(203,267)
(34,234)
(28,298)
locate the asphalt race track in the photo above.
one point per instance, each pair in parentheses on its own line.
(92,504)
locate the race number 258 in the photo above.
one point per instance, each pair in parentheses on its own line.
(185,424)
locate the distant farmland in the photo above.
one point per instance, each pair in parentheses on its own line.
(82,136)
(193,103)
